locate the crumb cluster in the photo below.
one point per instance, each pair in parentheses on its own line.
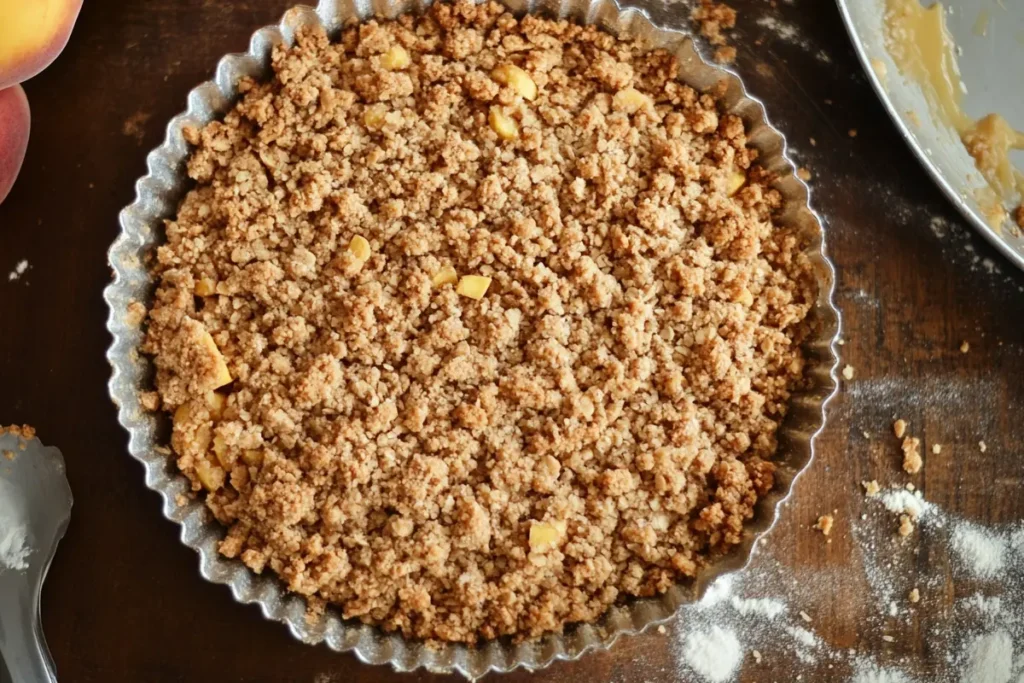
(474,325)
(912,460)
(713,19)
(25,432)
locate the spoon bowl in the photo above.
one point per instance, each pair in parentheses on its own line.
(34,492)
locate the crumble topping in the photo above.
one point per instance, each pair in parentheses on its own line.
(23,432)
(475,325)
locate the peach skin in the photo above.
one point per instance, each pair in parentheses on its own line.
(32,34)
(14,125)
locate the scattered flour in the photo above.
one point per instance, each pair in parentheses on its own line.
(765,607)
(713,655)
(902,501)
(786,32)
(802,636)
(871,673)
(1017,540)
(989,659)
(990,607)
(18,271)
(981,551)
(973,638)
(718,592)
(725,625)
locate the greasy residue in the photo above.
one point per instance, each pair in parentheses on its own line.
(922,48)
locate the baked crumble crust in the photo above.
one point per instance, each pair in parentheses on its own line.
(592,417)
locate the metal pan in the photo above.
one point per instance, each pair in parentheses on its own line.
(157,197)
(990,39)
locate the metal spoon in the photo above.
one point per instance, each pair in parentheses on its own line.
(35,490)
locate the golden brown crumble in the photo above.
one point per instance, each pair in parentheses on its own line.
(824,524)
(135,313)
(725,54)
(712,17)
(596,422)
(871,488)
(912,460)
(24,432)
(914,596)
(899,428)
(906,525)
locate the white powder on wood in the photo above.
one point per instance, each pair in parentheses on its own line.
(802,636)
(901,501)
(717,592)
(1017,540)
(764,607)
(981,551)
(713,655)
(870,673)
(990,607)
(989,659)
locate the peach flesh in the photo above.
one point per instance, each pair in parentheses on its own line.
(14,127)
(32,34)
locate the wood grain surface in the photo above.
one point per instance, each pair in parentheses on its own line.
(124,601)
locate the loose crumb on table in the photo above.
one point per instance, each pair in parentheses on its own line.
(906,525)
(912,460)
(713,18)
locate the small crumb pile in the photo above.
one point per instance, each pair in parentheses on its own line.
(712,19)
(911,446)
(475,325)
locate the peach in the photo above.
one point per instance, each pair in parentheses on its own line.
(32,34)
(14,125)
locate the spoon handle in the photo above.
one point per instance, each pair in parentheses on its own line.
(21,638)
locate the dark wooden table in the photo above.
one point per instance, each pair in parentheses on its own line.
(124,601)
